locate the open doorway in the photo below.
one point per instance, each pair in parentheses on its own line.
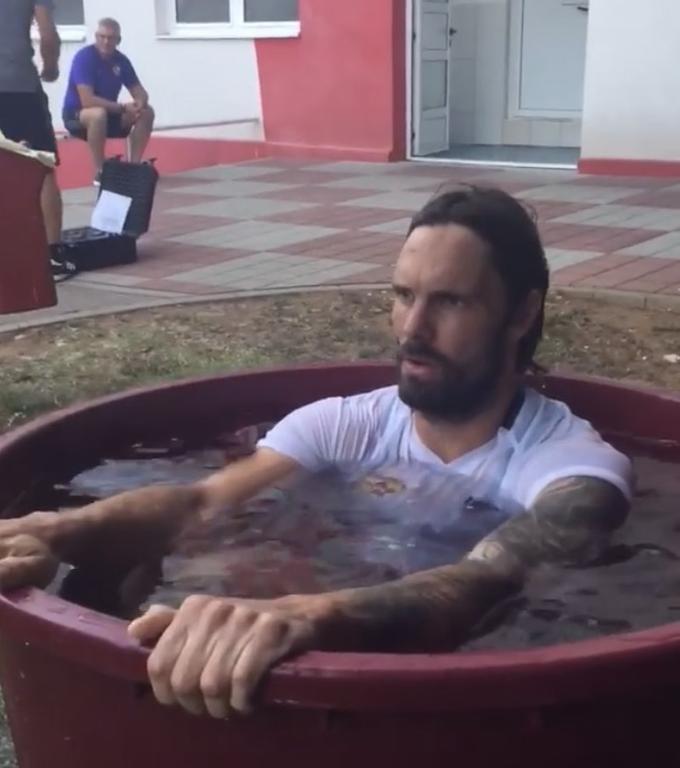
(498,81)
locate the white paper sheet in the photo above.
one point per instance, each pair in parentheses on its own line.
(110,212)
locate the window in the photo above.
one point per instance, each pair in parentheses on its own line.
(227,18)
(202,11)
(69,13)
(271,10)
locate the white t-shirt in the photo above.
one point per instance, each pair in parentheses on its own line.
(370,440)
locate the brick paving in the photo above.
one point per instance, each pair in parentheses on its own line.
(283,223)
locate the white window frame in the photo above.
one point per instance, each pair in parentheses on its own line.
(72,33)
(237,28)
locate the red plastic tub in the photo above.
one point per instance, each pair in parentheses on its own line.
(75,686)
(25,277)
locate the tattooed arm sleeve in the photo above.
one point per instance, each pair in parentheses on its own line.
(569,522)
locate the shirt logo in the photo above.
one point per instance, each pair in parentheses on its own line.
(381,486)
(116,70)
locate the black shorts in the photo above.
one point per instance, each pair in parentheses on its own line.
(26,117)
(114,126)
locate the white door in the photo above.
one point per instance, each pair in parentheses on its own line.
(548,55)
(431,61)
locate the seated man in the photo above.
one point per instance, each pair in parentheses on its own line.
(91,107)
(469,291)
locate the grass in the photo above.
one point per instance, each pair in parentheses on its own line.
(46,368)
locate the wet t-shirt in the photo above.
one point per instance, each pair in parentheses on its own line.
(370,442)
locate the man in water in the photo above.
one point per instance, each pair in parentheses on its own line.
(24,112)
(91,107)
(469,290)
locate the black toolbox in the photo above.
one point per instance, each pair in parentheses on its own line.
(88,248)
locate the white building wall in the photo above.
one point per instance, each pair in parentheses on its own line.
(189,81)
(632,87)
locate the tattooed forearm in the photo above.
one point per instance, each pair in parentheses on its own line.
(427,611)
(570,522)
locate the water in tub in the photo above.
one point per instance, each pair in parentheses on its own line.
(329,532)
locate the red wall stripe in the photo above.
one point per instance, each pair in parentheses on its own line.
(623,167)
(173,155)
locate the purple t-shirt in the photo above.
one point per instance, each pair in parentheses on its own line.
(105,76)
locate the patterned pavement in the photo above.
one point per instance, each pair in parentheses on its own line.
(276,224)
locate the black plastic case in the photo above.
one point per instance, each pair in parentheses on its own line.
(88,248)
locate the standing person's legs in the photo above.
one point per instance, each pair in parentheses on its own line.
(25,117)
(50,197)
(52,208)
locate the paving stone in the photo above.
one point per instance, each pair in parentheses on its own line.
(626,216)
(409,201)
(396,227)
(575,193)
(256,236)
(230,188)
(559,258)
(385,182)
(77,216)
(224,172)
(350,167)
(80,196)
(241,208)
(666,246)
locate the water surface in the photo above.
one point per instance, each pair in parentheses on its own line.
(320,534)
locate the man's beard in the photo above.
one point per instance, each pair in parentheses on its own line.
(458,394)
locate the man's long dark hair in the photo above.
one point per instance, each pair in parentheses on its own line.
(515,248)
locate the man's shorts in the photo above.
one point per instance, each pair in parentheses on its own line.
(26,117)
(114,126)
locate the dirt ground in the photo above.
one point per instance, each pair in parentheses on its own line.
(48,367)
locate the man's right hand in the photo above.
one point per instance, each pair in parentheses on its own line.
(133,527)
(25,556)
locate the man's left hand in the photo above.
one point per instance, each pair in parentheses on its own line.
(213,652)
(49,74)
(133,110)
